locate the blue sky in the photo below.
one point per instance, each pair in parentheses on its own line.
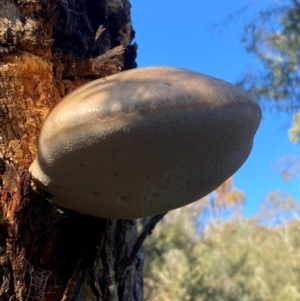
(198,35)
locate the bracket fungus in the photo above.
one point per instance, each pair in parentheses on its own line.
(144,141)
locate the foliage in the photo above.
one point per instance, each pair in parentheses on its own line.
(288,166)
(274,39)
(233,259)
(294,131)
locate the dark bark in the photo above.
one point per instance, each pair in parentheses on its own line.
(47,49)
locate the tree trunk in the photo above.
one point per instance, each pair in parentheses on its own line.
(47,49)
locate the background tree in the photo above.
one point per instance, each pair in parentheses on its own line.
(234,258)
(275,41)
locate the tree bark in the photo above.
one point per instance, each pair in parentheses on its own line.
(47,49)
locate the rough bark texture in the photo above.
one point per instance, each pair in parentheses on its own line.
(48,48)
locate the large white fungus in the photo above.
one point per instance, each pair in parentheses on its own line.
(144,141)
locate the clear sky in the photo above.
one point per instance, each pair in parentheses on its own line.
(198,35)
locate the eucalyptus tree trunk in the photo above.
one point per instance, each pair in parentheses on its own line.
(47,49)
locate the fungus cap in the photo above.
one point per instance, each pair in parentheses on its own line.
(144,141)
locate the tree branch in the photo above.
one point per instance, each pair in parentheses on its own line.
(148,228)
(297,3)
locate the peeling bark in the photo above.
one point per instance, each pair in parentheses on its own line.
(47,49)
